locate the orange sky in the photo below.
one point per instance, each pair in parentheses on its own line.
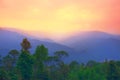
(60,18)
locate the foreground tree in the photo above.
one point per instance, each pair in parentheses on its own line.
(40,56)
(73,65)
(113,71)
(8,68)
(63,71)
(0,60)
(25,62)
(25,66)
(3,74)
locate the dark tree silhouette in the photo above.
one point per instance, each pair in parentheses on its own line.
(25,45)
(14,54)
(61,54)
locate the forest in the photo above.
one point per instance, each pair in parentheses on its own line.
(24,65)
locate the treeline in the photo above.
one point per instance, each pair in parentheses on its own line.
(22,65)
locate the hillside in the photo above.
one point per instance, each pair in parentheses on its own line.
(95,45)
(82,47)
(11,40)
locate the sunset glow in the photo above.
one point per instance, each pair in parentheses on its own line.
(60,18)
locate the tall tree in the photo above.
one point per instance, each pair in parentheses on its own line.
(40,56)
(41,53)
(25,65)
(25,44)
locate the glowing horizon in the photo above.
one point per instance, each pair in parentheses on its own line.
(60,18)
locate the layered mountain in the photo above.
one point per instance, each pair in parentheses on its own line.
(95,45)
(11,40)
(82,47)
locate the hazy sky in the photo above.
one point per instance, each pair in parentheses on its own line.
(60,18)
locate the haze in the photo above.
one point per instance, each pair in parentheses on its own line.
(58,19)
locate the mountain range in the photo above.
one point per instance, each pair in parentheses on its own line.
(82,47)
(95,45)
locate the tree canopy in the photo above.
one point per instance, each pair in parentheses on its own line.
(24,65)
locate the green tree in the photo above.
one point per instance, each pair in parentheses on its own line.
(91,63)
(8,68)
(58,69)
(87,72)
(0,60)
(63,70)
(14,54)
(7,62)
(40,56)
(41,53)
(3,74)
(12,75)
(25,65)
(113,71)
(60,55)
(73,65)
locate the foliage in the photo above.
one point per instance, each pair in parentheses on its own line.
(24,65)
(25,44)
(113,71)
(7,62)
(14,55)
(41,66)
(40,56)
(3,74)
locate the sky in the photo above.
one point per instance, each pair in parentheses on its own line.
(58,19)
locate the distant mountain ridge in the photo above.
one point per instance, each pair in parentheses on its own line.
(11,40)
(84,36)
(96,45)
(82,47)
(21,32)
